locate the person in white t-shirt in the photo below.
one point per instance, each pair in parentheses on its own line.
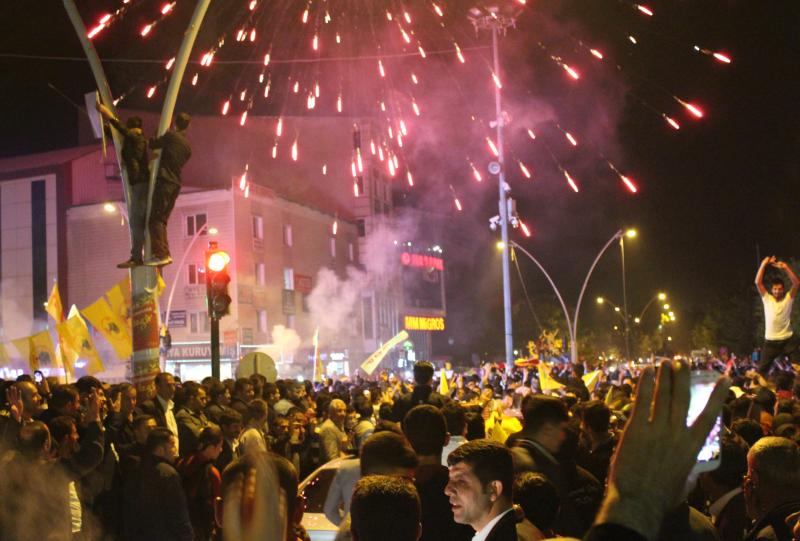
(779,340)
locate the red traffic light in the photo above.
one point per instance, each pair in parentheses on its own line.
(218,260)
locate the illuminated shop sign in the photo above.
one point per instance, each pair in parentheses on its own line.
(420,260)
(424,323)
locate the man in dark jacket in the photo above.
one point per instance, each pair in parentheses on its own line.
(134,158)
(479,488)
(175,152)
(423,392)
(723,490)
(426,430)
(155,504)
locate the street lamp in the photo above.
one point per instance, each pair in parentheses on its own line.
(496,19)
(204,228)
(630,233)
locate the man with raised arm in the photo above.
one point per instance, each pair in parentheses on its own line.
(779,340)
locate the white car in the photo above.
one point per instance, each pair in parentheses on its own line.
(314,489)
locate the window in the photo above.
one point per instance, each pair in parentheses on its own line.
(351,252)
(204,321)
(194,223)
(199,322)
(360,186)
(193,323)
(290,321)
(361,226)
(288,279)
(261,274)
(262,320)
(197,274)
(367,312)
(287,235)
(258,227)
(333,247)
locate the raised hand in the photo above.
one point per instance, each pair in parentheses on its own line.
(14,399)
(657,450)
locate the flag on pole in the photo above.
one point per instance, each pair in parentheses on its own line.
(54,307)
(75,335)
(372,362)
(591,379)
(319,370)
(112,328)
(38,350)
(119,297)
(546,381)
(444,389)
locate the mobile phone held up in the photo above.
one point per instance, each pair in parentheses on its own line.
(702,383)
(38,377)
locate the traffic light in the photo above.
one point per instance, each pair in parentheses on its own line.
(217,280)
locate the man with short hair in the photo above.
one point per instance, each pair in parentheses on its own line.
(779,340)
(191,419)
(155,502)
(723,489)
(131,455)
(333,438)
(231,425)
(385,508)
(175,152)
(426,430)
(456,418)
(595,454)
(772,488)
(422,393)
(479,488)
(64,401)
(243,394)
(163,407)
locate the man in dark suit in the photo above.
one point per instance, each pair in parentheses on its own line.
(479,488)
(162,407)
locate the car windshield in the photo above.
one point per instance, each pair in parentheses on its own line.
(316,490)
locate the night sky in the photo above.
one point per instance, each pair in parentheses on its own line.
(713,196)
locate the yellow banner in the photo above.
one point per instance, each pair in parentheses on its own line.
(5,358)
(119,297)
(546,381)
(54,306)
(38,350)
(375,359)
(112,328)
(75,335)
(444,389)
(591,379)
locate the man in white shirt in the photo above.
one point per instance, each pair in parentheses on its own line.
(481,479)
(779,340)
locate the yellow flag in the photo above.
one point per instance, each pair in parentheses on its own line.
(5,359)
(119,297)
(546,381)
(38,350)
(319,370)
(112,328)
(161,285)
(591,379)
(75,334)
(54,307)
(444,389)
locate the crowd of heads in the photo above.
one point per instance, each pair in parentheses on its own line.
(493,445)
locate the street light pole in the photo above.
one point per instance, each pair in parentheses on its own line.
(625,300)
(494,19)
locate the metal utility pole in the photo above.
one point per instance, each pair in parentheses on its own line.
(144,302)
(493,19)
(625,300)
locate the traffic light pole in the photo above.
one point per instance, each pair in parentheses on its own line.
(215,348)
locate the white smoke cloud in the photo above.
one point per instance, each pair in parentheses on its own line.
(285,339)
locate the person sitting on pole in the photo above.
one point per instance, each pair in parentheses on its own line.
(135,160)
(175,152)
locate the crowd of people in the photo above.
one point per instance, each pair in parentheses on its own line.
(491,459)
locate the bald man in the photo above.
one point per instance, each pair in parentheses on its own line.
(335,441)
